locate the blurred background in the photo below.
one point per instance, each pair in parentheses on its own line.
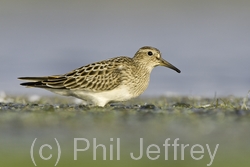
(207,40)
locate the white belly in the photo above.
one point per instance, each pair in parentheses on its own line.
(98,98)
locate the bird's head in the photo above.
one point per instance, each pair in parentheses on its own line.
(151,57)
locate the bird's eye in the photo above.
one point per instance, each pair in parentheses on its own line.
(150,53)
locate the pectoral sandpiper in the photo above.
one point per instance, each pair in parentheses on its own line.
(116,79)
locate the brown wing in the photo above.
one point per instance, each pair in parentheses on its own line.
(94,77)
(104,75)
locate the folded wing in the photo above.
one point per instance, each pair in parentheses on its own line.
(94,77)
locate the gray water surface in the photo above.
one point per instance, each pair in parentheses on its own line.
(207,40)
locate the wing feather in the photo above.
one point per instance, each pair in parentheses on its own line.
(104,75)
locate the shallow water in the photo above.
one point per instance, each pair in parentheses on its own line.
(208,41)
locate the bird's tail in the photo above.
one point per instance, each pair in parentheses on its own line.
(55,81)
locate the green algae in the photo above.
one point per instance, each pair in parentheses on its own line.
(202,121)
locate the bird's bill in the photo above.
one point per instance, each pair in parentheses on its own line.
(167,64)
